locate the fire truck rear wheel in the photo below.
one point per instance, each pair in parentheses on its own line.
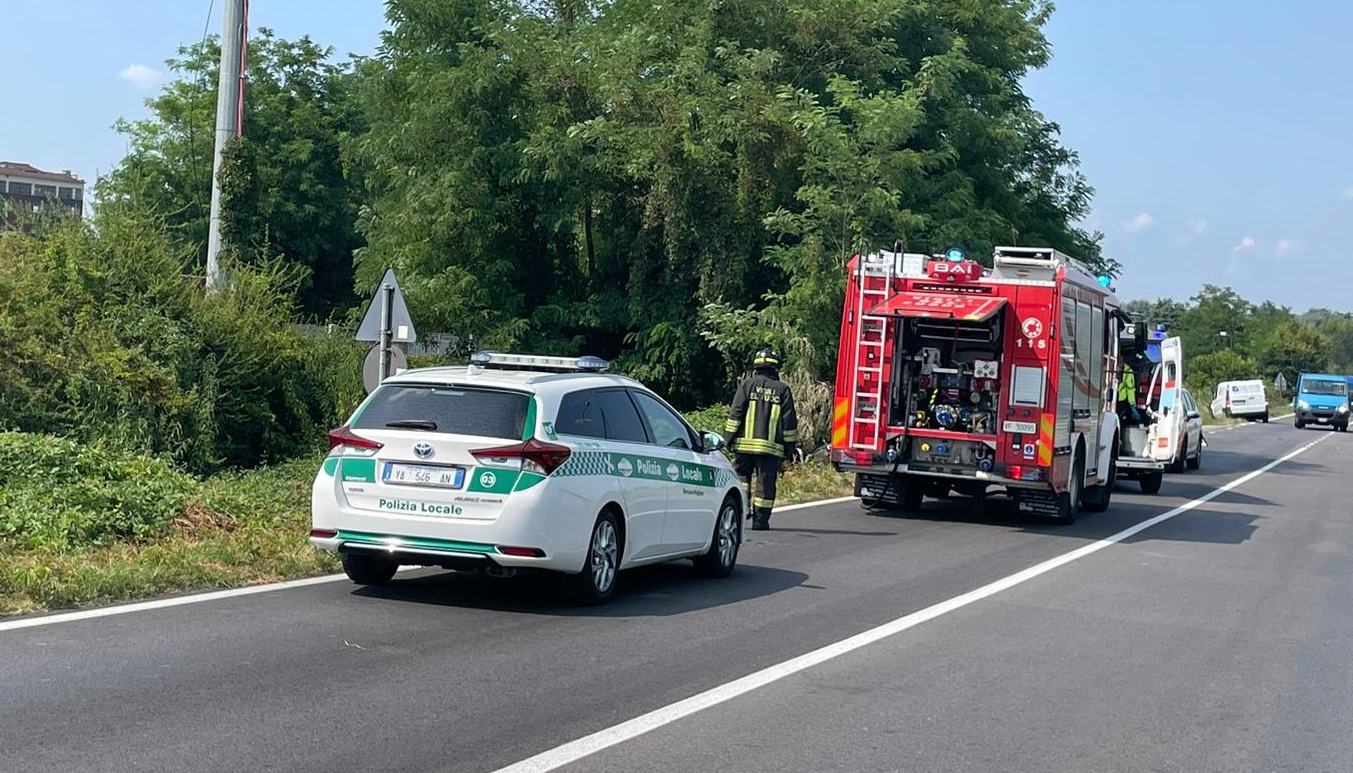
(1069,501)
(913,492)
(1096,498)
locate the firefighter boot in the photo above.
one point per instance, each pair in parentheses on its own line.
(761,519)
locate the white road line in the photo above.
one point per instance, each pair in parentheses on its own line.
(198,598)
(575,750)
(141,606)
(1225,427)
(814,503)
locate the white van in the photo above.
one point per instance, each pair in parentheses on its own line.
(1241,400)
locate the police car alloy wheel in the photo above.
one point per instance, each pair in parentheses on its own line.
(596,582)
(723,548)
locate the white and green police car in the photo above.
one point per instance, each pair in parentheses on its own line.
(524,462)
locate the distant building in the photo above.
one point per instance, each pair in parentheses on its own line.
(24,188)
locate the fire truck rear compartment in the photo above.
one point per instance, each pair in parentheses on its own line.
(945,390)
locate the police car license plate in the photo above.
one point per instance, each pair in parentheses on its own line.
(423,475)
(1322,419)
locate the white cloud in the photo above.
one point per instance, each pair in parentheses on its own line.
(1233,264)
(1286,247)
(1139,223)
(141,76)
(1196,227)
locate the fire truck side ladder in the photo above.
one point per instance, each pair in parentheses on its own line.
(868,414)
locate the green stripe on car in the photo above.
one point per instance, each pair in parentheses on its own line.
(357,470)
(643,467)
(386,541)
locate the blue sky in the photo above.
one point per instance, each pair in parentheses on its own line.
(1218,134)
(1219,138)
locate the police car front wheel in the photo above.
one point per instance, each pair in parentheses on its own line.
(723,548)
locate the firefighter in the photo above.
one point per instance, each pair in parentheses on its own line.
(763,430)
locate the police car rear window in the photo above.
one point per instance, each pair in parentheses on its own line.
(494,413)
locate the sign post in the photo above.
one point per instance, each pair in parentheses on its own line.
(386,332)
(387,321)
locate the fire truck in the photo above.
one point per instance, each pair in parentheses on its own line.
(954,378)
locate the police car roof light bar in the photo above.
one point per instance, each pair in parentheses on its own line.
(500,361)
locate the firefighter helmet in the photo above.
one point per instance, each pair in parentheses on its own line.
(766,358)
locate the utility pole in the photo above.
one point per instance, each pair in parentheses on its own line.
(229,117)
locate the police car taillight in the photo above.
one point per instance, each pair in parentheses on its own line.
(533,455)
(342,436)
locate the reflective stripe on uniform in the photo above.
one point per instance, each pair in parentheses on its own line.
(760,502)
(748,445)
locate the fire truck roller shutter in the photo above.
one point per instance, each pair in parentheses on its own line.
(968,308)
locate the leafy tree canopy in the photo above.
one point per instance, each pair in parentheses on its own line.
(630,178)
(288,189)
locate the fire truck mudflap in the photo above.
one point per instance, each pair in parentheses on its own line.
(956,378)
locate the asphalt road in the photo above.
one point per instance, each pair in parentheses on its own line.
(1220,639)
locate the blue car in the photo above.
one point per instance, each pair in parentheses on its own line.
(1321,398)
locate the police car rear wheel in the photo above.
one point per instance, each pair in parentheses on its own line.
(596,581)
(723,549)
(368,570)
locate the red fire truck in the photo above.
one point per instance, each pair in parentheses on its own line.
(956,378)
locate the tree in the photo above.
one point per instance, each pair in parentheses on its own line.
(1294,347)
(287,185)
(1162,311)
(569,174)
(1216,310)
(1338,328)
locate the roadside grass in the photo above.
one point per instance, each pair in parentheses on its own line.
(810,481)
(238,529)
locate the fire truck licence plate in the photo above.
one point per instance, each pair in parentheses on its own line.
(1023,427)
(423,475)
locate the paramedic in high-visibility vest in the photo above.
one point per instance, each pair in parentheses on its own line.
(763,430)
(1127,395)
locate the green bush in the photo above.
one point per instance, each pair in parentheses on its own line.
(709,419)
(110,339)
(62,494)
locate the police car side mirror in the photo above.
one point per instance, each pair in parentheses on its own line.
(713,441)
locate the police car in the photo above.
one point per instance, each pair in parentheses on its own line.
(522,462)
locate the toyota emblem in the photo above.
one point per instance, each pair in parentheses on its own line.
(423,450)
